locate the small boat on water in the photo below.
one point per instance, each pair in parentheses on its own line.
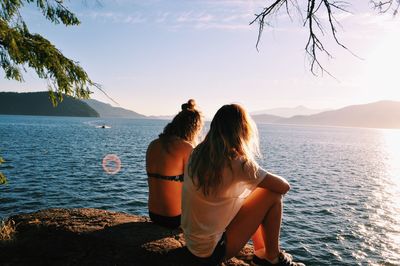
(104,126)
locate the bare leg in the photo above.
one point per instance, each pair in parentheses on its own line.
(261,207)
(258,239)
(272,228)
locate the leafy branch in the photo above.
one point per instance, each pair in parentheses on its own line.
(20,48)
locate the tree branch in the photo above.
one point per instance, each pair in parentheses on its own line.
(385,6)
(315,11)
(19,48)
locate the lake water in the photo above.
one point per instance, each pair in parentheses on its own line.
(343,209)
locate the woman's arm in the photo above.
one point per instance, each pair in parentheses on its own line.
(275,183)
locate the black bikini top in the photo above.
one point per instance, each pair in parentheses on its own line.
(177,178)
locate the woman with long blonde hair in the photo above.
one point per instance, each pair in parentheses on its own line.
(227,197)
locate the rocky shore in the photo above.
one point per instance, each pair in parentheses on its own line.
(94,237)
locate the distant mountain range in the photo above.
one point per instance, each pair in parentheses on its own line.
(289,112)
(107,111)
(382,114)
(161,117)
(265,118)
(38,103)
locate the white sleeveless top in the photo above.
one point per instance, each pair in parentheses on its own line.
(204,218)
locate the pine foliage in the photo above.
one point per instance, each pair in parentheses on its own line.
(19,48)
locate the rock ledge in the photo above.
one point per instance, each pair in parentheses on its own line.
(96,237)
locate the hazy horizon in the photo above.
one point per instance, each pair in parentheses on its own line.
(257,112)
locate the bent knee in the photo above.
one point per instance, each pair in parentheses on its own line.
(272,196)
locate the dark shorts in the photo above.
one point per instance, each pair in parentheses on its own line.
(218,254)
(166,221)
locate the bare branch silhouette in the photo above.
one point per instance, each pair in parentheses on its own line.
(386,6)
(317,14)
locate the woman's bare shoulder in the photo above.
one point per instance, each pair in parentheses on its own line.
(183,145)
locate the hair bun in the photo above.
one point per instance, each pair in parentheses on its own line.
(190,105)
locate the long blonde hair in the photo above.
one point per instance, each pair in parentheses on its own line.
(233,134)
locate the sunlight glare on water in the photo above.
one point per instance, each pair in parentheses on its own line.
(392,145)
(391,203)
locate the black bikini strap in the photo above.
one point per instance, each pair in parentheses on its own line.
(178,178)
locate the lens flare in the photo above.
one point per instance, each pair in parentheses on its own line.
(111,164)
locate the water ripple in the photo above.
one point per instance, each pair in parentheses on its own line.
(343,208)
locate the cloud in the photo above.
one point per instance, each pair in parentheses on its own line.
(202,20)
(162,17)
(117,17)
(196,15)
(221,26)
(186,19)
(190,16)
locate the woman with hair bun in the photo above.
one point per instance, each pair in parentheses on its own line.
(166,158)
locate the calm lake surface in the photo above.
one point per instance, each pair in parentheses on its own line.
(343,209)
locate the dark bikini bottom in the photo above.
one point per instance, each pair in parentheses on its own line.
(166,221)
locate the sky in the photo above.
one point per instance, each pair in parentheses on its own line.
(151,56)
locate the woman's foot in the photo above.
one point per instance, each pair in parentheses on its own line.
(284,259)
